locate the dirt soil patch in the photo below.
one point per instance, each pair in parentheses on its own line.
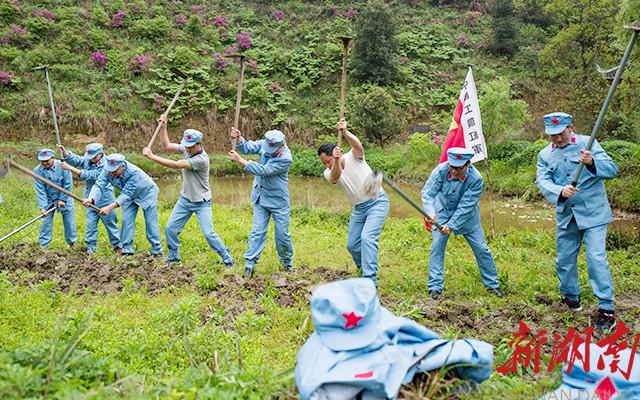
(76,271)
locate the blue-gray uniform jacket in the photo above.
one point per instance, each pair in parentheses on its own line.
(454,201)
(556,167)
(134,184)
(46,195)
(90,173)
(271,184)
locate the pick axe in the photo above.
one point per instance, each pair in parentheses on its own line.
(53,107)
(185,78)
(236,117)
(46,181)
(407,198)
(635,28)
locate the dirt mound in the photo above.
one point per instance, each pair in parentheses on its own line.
(73,270)
(234,295)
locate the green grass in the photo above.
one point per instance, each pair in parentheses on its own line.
(182,343)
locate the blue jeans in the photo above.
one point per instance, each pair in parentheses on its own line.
(568,243)
(128,230)
(110,223)
(258,234)
(180,215)
(487,266)
(365,226)
(68,221)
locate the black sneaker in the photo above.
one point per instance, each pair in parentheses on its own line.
(173,263)
(434,294)
(248,273)
(229,265)
(605,321)
(496,291)
(574,305)
(288,268)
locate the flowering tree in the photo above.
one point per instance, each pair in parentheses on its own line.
(117,19)
(220,21)
(181,20)
(219,61)
(99,59)
(244,40)
(139,63)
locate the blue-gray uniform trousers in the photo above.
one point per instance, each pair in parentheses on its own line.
(91,172)
(365,226)
(258,234)
(476,240)
(181,213)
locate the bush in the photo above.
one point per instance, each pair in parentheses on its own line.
(373,114)
(154,29)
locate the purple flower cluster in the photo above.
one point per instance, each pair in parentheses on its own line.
(229,51)
(336,12)
(157,103)
(14,34)
(221,22)
(15,3)
(277,15)
(139,63)
(244,40)
(197,9)
(5,78)
(220,62)
(181,20)
(99,59)
(350,14)
(275,87)
(463,40)
(43,13)
(117,19)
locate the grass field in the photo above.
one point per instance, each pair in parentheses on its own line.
(106,327)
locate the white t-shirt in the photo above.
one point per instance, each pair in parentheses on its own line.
(354,174)
(195,181)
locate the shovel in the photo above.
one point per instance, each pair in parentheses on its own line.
(343,85)
(185,78)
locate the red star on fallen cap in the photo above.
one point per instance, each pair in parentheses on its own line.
(555,121)
(606,389)
(352,320)
(458,156)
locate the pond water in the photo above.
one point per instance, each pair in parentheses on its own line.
(318,193)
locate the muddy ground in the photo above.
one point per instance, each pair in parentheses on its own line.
(76,272)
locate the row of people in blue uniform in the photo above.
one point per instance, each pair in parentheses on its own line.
(450,196)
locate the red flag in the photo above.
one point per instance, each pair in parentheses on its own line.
(466,125)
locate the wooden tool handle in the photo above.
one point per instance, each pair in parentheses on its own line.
(47,182)
(173,102)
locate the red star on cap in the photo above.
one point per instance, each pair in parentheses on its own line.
(555,121)
(44,153)
(352,320)
(112,162)
(458,156)
(188,137)
(89,151)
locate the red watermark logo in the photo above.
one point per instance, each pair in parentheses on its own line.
(574,346)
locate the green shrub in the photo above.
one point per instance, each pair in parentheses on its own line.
(374,115)
(154,29)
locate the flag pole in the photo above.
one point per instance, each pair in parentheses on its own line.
(490,190)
